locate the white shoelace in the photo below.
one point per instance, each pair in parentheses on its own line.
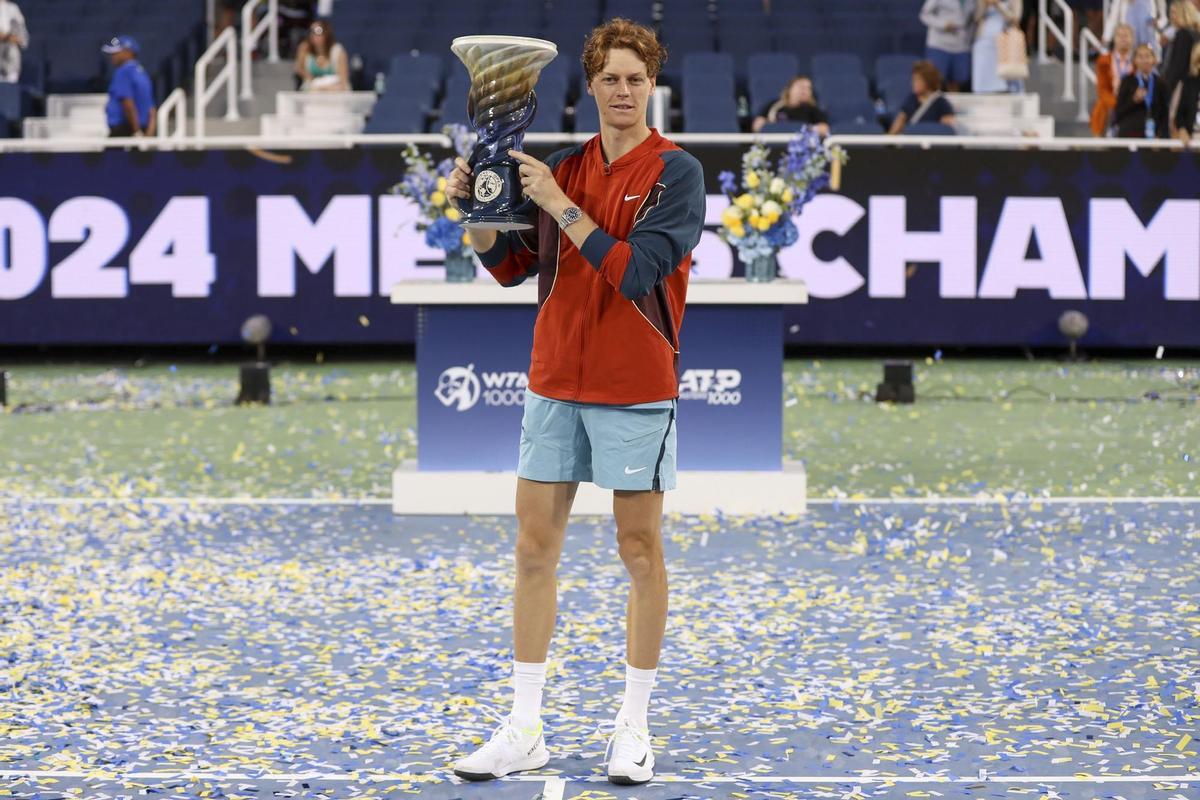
(627,742)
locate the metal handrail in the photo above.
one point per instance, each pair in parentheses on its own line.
(347,141)
(1046,24)
(252,34)
(1088,42)
(226,78)
(175,104)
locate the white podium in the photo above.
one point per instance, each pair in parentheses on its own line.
(730,436)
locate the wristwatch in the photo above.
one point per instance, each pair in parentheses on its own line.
(570,216)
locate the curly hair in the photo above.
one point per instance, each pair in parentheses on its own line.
(623,34)
(930,74)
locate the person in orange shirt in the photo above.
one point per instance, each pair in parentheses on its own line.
(1111,69)
(611,251)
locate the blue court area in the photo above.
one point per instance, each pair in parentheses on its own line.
(1042,650)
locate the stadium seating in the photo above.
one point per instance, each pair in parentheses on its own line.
(66,37)
(857,128)
(928,129)
(64,58)
(759,52)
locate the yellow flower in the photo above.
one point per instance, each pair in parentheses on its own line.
(745,202)
(754,220)
(731,216)
(787,196)
(772,209)
(737,231)
(752,180)
(438,199)
(441,184)
(452,213)
(466,238)
(763,224)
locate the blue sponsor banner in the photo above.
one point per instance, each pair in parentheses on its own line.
(920,247)
(472,371)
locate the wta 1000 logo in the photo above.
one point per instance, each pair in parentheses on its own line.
(717,387)
(461,389)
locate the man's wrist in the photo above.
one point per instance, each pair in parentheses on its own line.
(557,207)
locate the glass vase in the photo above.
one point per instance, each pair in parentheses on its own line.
(459,268)
(761,269)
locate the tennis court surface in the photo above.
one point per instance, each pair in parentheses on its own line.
(908,648)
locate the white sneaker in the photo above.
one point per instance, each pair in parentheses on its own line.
(510,749)
(630,756)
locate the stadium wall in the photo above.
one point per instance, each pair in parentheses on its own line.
(939,246)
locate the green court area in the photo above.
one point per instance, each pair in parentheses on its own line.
(980,427)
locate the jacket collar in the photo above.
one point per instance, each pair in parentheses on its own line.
(651,145)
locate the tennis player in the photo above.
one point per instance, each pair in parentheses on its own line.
(619,217)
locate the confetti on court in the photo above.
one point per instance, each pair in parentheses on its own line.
(857,640)
(979,428)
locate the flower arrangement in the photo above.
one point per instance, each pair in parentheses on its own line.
(425,183)
(758,222)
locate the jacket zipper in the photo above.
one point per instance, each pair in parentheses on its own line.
(587,299)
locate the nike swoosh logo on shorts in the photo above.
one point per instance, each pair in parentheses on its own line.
(629,471)
(629,197)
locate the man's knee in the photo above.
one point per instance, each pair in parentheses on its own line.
(641,553)
(536,551)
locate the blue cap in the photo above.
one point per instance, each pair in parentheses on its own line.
(119,43)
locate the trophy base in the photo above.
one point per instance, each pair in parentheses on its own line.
(499,223)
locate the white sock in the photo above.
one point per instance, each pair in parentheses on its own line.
(638,684)
(528,680)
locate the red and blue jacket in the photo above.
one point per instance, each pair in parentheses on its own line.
(609,313)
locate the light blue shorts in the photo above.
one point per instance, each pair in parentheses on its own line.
(629,448)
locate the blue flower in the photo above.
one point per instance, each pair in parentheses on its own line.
(728,182)
(782,234)
(444,235)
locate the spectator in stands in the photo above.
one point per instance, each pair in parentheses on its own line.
(926,103)
(1090,13)
(992,19)
(1142,99)
(131,110)
(1185,19)
(321,62)
(948,43)
(1112,68)
(14,37)
(1147,18)
(295,18)
(1029,22)
(1185,101)
(797,103)
(227,16)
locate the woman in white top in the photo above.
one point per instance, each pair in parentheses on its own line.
(991,18)
(14,37)
(1147,18)
(321,62)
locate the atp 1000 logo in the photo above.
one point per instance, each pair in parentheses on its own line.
(717,387)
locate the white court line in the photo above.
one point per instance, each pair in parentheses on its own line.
(554,789)
(198,501)
(1025,500)
(386,501)
(562,780)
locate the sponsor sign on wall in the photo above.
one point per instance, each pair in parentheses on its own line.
(936,247)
